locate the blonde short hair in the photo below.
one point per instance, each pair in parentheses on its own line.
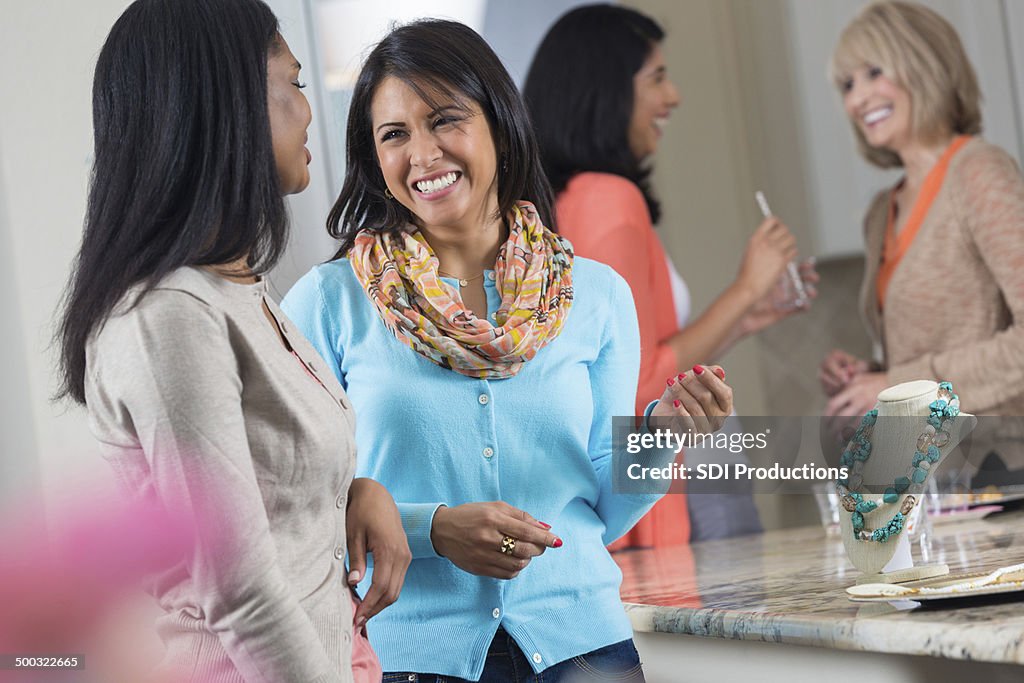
(921,52)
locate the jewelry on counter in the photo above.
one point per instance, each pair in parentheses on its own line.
(508,545)
(463,281)
(967,584)
(944,408)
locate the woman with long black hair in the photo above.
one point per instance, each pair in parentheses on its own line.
(599,94)
(206,400)
(486,363)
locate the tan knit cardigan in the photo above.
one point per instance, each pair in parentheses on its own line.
(198,405)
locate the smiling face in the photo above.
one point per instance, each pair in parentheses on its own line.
(440,163)
(654,98)
(290,116)
(879,107)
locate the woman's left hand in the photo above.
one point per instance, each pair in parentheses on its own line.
(846,408)
(373,525)
(696,402)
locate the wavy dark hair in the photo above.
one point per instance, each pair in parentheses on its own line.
(579,90)
(184,170)
(439,60)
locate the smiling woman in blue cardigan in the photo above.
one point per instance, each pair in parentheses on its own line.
(485,364)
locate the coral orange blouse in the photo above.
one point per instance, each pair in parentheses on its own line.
(606,219)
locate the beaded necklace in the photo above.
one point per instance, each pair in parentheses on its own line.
(934,437)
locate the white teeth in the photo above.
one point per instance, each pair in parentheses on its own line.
(660,123)
(877,115)
(431,186)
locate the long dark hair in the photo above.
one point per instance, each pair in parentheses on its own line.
(184,170)
(579,91)
(447,59)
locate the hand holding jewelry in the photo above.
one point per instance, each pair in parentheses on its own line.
(934,436)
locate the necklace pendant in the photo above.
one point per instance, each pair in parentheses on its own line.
(908,505)
(463,282)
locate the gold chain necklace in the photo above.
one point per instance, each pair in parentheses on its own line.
(463,281)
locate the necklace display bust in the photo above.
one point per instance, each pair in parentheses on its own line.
(903,417)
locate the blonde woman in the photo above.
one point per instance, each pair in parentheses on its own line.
(944,276)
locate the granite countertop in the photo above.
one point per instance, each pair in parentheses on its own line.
(788,586)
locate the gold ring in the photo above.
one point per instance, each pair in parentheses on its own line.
(508,545)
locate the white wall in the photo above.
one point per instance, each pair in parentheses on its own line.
(48,49)
(19,471)
(1013,24)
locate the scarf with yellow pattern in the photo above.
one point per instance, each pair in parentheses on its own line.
(533,273)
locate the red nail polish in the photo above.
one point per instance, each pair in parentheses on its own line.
(721,373)
(544,524)
(676,403)
(697,369)
(557,543)
(682,376)
(670,381)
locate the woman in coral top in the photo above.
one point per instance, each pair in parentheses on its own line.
(599,94)
(952,225)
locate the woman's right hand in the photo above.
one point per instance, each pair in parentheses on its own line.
(769,249)
(471,536)
(838,369)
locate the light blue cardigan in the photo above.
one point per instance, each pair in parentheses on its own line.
(540,441)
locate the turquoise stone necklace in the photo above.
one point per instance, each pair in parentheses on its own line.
(935,435)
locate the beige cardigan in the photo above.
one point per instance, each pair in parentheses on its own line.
(198,405)
(954,309)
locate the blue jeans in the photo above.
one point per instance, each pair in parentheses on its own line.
(506,663)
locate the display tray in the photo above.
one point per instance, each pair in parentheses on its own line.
(1009,583)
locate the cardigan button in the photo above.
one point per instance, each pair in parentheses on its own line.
(488,452)
(339,553)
